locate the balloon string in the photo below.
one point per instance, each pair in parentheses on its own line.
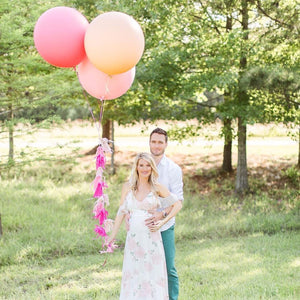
(106,85)
(98,125)
(101,111)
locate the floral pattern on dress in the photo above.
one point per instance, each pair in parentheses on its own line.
(144,267)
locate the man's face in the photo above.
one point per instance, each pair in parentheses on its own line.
(158,144)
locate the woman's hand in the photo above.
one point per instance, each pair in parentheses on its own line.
(108,241)
(156,216)
(154,226)
(109,245)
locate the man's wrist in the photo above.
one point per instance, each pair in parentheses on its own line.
(164,213)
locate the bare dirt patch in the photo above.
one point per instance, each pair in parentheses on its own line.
(204,174)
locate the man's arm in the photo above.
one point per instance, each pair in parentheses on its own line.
(176,187)
(176,184)
(175,208)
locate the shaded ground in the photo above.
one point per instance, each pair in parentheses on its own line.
(264,171)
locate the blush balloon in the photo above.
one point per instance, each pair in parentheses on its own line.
(101,85)
(59,36)
(114,42)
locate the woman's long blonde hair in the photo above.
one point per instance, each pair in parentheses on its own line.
(153,178)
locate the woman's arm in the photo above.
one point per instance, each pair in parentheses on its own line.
(118,221)
(162,191)
(120,216)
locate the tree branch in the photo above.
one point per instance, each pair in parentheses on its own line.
(210,17)
(270,17)
(203,104)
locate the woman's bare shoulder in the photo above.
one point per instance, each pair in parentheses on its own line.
(126,187)
(125,191)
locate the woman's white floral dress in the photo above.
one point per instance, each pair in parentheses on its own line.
(144,267)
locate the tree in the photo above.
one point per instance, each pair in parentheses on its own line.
(30,88)
(194,47)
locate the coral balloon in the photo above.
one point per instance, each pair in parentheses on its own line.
(59,36)
(114,42)
(101,85)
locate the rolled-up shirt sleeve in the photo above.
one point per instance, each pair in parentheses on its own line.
(170,175)
(168,201)
(176,183)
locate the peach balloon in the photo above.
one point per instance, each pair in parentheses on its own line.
(59,36)
(114,42)
(103,86)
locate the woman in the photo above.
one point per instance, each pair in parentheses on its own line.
(144,274)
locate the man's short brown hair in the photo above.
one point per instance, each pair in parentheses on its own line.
(159,131)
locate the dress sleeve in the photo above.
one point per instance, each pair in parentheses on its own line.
(123,208)
(168,201)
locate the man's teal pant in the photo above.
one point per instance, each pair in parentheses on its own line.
(168,238)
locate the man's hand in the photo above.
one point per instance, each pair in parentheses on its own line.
(154,219)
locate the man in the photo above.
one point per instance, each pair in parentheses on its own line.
(170,175)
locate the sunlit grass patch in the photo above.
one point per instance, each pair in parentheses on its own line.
(89,277)
(244,268)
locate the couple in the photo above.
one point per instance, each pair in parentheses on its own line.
(152,197)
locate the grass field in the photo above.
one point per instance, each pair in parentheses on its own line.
(227,247)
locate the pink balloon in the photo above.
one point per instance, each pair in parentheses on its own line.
(101,85)
(59,36)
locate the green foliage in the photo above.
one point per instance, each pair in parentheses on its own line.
(293,174)
(31,88)
(190,47)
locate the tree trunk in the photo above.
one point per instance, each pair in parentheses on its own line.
(241,184)
(227,151)
(106,133)
(106,129)
(11,135)
(1,231)
(299,148)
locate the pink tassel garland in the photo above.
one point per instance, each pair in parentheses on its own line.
(99,211)
(100,231)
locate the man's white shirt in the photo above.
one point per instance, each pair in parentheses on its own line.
(170,175)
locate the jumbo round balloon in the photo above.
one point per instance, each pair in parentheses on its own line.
(101,85)
(114,42)
(59,36)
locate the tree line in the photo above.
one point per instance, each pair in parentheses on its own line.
(204,60)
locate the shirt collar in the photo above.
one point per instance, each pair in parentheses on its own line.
(163,160)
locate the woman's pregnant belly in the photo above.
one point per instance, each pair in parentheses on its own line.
(137,221)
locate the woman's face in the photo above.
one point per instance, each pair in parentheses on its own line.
(144,168)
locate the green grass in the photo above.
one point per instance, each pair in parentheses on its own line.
(227,247)
(253,267)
